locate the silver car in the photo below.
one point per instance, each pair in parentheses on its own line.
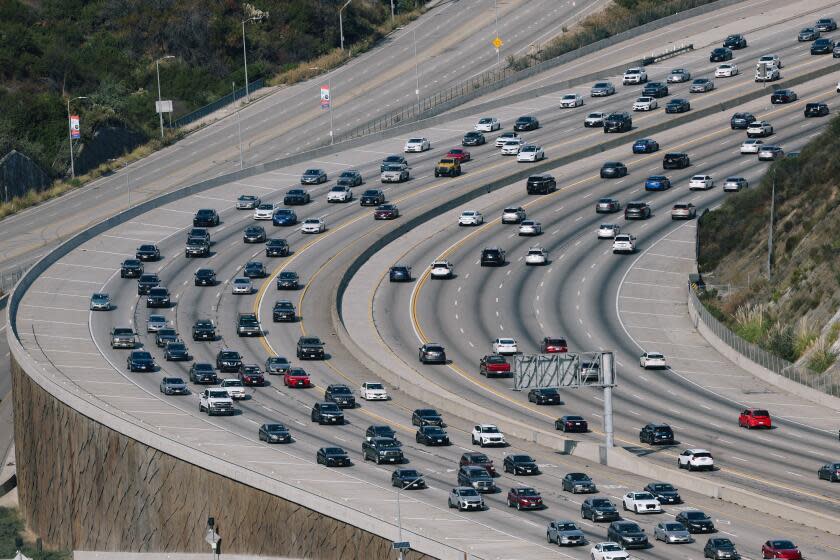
(155,322)
(564,533)
(701,85)
(247,202)
(602,89)
(770,153)
(672,532)
(100,302)
(683,211)
(465,498)
(530,227)
(735,184)
(608,231)
(678,75)
(173,386)
(241,286)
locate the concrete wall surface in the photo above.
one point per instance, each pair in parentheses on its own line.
(95,555)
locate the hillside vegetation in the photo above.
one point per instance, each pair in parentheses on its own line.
(796,314)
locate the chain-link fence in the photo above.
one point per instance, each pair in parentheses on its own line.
(8,279)
(826,382)
(218,104)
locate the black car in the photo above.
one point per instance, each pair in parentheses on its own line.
(372,197)
(131,268)
(664,492)
(327,413)
(432,435)
(176,352)
(816,109)
(205,277)
(783,96)
(741,120)
(332,457)
(349,178)
(571,423)
(526,123)
(288,280)
(476,477)
(546,395)
(158,297)
(720,549)
(473,138)
(637,211)
(140,360)
(520,464)
(206,217)
(399,273)
(254,234)
(275,433)
(248,324)
(310,348)
(228,360)
(735,42)
(277,365)
(676,160)
(578,483)
(396,159)
(657,434)
(284,311)
(296,197)
(541,184)
(618,122)
(165,336)
(822,46)
(655,89)
(407,479)
(254,269)
(203,373)
(276,248)
(381,430)
(678,105)
(432,353)
(613,170)
(341,395)
(382,450)
(696,521)
(427,417)
(628,534)
(196,247)
(147,253)
(386,212)
(599,509)
(720,54)
(492,257)
(826,24)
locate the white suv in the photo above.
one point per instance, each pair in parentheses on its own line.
(340,194)
(487,434)
(650,360)
(759,129)
(624,243)
(634,76)
(505,346)
(696,459)
(701,182)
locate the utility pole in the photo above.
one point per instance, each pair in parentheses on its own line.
(341,23)
(416,72)
(160,106)
(238,125)
(608,368)
(498,49)
(392,11)
(70,134)
(329,87)
(770,232)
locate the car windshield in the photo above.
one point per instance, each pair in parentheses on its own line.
(341,390)
(392,167)
(602,85)
(695,515)
(276,361)
(334,451)
(628,527)
(468,492)
(611,547)
(330,407)
(147,248)
(243,281)
(230,355)
(218,394)
(409,474)
(176,346)
(311,172)
(704,454)
(723,543)
(783,545)
(644,496)
(506,341)
(601,503)
(761,413)
(296,372)
(415,140)
(141,356)
(496,360)
(489,430)
(574,418)
(375,386)
(577,477)
(312,221)
(433,430)
(566,527)
(674,527)
(478,459)
(347,174)
(427,412)
(276,428)
(527,492)
(232,383)
(203,367)
(485,121)
(174,381)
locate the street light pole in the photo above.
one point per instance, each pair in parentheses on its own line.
(392,11)
(341,23)
(160,108)
(329,87)
(399,513)
(416,73)
(70,135)
(498,49)
(245,51)
(238,124)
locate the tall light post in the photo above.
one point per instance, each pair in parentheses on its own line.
(416,73)
(261,16)
(498,49)
(341,23)
(238,125)
(160,105)
(399,513)
(70,134)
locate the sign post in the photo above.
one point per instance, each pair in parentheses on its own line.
(497,43)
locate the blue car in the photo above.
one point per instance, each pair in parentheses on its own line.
(657,183)
(284,217)
(645,146)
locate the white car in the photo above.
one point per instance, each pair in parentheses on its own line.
(767,72)
(771,59)
(470,218)
(701,182)
(264,212)
(624,243)
(417,145)
(641,502)
(634,76)
(513,215)
(530,152)
(442,269)
(678,76)
(735,184)
(241,285)
(505,136)
(487,124)
(530,227)
(759,129)
(536,255)
(373,391)
(645,104)
(608,551)
(571,100)
(487,434)
(696,459)
(340,193)
(650,360)
(511,147)
(726,70)
(608,231)
(838,87)
(751,146)
(505,346)
(594,120)
(313,225)
(234,387)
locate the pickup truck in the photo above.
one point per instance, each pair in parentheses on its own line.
(450,167)
(234,388)
(310,348)
(382,450)
(215,401)
(123,337)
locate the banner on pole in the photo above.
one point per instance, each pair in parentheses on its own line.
(325,97)
(75,132)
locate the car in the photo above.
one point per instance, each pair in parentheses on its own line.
(473,138)
(696,459)
(470,218)
(678,75)
(571,100)
(628,534)
(123,337)
(459,154)
(158,297)
(634,76)
(372,197)
(341,395)
(494,365)
(254,269)
(677,105)
(829,472)
(407,479)
(735,42)
(530,227)
(394,173)
(636,210)
(505,346)
(241,285)
(701,85)
(173,386)
(645,104)
(310,348)
(381,430)
(140,360)
(553,345)
(771,59)
(386,212)
(657,183)
(234,387)
(720,54)
(203,373)
(726,70)
(676,160)
(701,182)
(652,360)
(296,197)
(276,365)
(564,533)
(100,301)
(417,145)
(641,502)
(333,457)
(373,391)
(590,369)
(781,548)
(664,492)
(477,478)
(683,211)
(720,548)
(340,193)
(671,533)
(594,120)
(545,396)
(608,551)
(206,217)
(734,184)
(613,170)
(602,89)
(751,146)
(741,120)
(264,211)
(530,152)
(525,497)
(176,352)
(284,217)
(624,243)
(288,280)
(326,413)
(251,375)
(275,247)
(783,96)
(598,509)
(513,215)
(228,360)
(645,146)
(822,46)
(808,34)
(754,418)
(131,268)
(695,521)
(441,269)
(147,252)
(196,247)
(477,458)
(608,231)
(432,435)
(313,225)
(826,24)
(767,72)
(511,147)
(487,434)
(526,123)
(770,153)
(313,176)
(655,89)
(492,256)
(296,377)
(816,109)
(399,273)
(487,124)
(571,423)
(466,499)
(274,433)
(536,256)
(393,160)
(578,483)
(349,178)
(618,122)
(247,202)
(254,234)
(432,353)
(164,336)
(520,464)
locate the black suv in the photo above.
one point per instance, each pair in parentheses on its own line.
(341,395)
(492,257)
(196,247)
(676,160)
(741,120)
(637,211)
(657,433)
(147,253)
(783,96)
(541,184)
(158,297)
(206,217)
(628,534)
(276,248)
(164,336)
(203,329)
(399,273)
(131,268)
(476,477)
(327,413)
(816,109)
(655,89)
(613,170)
(372,197)
(618,122)
(664,492)
(228,360)
(146,282)
(288,280)
(598,509)
(432,435)
(427,417)
(696,521)
(473,138)
(296,197)
(526,123)
(248,325)
(203,373)
(432,353)
(310,348)
(720,54)
(736,41)
(720,549)
(382,450)
(284,312)
(205,277)
(140,360)
(520,464)
(381,430)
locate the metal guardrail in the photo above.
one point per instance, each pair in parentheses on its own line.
(218,104)
(828,383)
(8,279)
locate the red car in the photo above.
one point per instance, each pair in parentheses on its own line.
(754,418)
(386,212)
(459,154)
(475,458)
(551,345)
(251,375)
(296,377)
(780,549)
(524,498)
(494,365)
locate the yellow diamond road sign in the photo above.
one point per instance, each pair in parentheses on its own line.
(497,42)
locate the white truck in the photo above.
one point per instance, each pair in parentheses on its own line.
(624,243)
(234,388)
(215,401)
